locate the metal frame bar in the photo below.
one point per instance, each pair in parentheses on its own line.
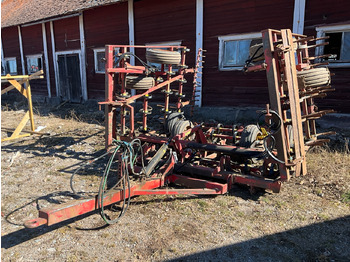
(220,162)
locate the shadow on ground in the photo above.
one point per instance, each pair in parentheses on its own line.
(327,241)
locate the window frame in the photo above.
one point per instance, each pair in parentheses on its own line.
(99,50)
(321,32)
(35,56)
(235,37)
(4,64)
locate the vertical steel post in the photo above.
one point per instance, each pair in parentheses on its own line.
(109,88)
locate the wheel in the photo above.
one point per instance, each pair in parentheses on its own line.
(313,77)
(180,126)
(139,82)
(249,136)
(160,56)
(172,119)
(257,51)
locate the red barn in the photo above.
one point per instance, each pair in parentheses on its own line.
(66,40)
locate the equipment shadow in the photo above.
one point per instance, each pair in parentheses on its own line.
(326,241)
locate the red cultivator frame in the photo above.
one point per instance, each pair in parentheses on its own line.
(194,158)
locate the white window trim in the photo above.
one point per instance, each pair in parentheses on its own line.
(35,56)
(235,37)
(9,59)
(321,31)
(97,50)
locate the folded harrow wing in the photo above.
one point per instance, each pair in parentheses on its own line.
(201,159)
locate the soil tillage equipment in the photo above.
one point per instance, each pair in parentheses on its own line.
(200,159)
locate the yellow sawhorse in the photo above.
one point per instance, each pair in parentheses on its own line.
(21,83)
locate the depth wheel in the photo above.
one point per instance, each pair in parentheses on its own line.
(160,56)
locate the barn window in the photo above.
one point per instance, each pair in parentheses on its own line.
(99,58)
(9,66)
(172,43)
(234,50)
(34,63)
(338,47)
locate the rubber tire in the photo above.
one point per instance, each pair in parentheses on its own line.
(180,126)
(140,82)
(313,78)
(249,136)
(172,119)
(160,56)
(260,54)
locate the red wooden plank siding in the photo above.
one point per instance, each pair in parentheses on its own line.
(32,40)
(322,13)
(10,43)
(165,21)
(103,25)
(67,35)
(234,88)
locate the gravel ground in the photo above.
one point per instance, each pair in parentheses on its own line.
(309,220)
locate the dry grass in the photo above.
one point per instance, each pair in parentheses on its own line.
(300,223)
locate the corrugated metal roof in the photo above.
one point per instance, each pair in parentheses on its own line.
(16,12)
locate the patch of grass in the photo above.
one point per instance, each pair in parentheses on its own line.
(345,197)
(324,216)
(202,203)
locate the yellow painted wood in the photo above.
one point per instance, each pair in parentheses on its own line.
(17,82)
(30,105)
(19,87)
(21,125)
(12,138)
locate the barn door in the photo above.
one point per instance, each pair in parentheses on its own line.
(69,77)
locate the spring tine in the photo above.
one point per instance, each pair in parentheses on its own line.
(322,38)
(304,39)
(318,64)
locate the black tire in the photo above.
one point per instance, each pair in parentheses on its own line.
(313,77)
(180,126)
(259,55)
(139,82)
(172,119)
(249,136)
(160,56)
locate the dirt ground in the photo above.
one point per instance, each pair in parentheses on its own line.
(309,220)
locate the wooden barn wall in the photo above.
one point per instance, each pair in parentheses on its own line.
(322,13)
(103,25)
(10,43)
(234,88)
(67,35)
(165,21)
(32,40)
